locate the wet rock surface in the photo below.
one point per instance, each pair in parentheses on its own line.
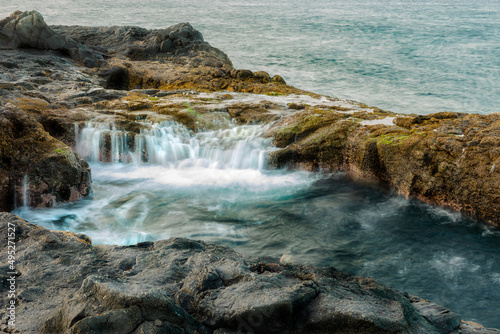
(447,159)
(186,286)
(58,78)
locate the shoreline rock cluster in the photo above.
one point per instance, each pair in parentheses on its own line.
(55,79)
(67,285)
(133,75)
(47,73)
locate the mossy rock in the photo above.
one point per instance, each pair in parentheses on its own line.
(304,123)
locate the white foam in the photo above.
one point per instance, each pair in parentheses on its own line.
(171,144)
(205,177)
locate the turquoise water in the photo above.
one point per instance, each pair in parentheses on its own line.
(403,56)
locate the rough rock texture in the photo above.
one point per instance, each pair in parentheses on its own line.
(35,168)
(132,57)
(29,30)
(59,78)
(185,286)
(136,43)
(445,158)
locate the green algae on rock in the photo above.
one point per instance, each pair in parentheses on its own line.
(446,159)
(132,76)
(438,158)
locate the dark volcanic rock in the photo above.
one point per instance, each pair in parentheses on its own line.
(66,285)
(34,164)
(29,30)
(444,320)
(136,43)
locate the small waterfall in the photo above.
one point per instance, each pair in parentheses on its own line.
(118,145)
(26,200)
(173,145)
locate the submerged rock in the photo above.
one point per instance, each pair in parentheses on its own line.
(186,286)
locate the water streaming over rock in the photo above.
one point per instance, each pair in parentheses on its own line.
(26,200)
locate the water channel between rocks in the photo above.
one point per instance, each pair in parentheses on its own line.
(214,186)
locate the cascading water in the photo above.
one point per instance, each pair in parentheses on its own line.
(167,181)
(162,181)
(26,200)
(172,145)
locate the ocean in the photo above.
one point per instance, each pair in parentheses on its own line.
(400,55)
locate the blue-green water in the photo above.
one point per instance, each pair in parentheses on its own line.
(401,55)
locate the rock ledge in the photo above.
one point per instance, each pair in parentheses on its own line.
(67,285)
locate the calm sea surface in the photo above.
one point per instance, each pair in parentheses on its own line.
(403,56)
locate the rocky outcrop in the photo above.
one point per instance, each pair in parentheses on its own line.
(55,79)
(132,57)
(35,168)
(180,42)
(57,76)
(186,286)
(29,30)
(447,159)
(438,158)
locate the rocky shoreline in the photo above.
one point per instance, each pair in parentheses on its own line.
(55,79)
(67,285)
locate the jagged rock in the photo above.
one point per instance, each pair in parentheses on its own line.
(443,319)
(35,168)
(28,29)
(135,43)
(438,158)
(186,286)
(180,285)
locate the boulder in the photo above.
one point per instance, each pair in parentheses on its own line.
(135,43)
(447,159)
